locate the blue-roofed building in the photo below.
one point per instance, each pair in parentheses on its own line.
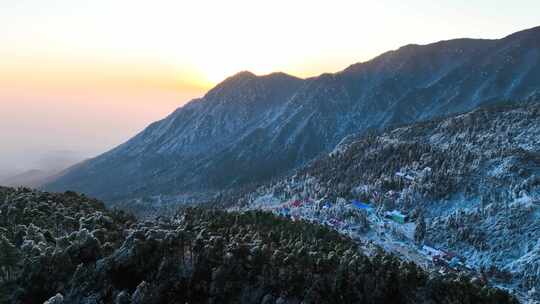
(360,205)
(284,211)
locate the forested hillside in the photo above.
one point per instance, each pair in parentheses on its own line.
(70,249)
(472,180)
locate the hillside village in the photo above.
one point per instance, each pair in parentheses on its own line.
(393,230)
(453,195)
(396,232)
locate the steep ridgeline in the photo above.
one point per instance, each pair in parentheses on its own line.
(474,177)
(251,128)
(70,249)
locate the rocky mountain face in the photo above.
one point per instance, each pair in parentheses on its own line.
(253,128)
(68,248)
(473,177)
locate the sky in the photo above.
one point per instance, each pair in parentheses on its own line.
(79,77)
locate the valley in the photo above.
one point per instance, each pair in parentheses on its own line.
(413,177)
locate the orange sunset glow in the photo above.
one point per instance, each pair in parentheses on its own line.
(84,76)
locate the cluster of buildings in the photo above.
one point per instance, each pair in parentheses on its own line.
(340,214)
(447,261)
(351,217)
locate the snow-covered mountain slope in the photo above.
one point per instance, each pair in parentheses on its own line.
(253,128)
(70,249)
(474,177)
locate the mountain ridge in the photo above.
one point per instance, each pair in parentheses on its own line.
(252,128)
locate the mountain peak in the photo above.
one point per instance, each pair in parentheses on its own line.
(251,128)
(232,82)
(277,75)
(245,84)
(240,76)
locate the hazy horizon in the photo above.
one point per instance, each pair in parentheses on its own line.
(83,78)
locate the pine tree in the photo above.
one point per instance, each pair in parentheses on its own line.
(8,259)
(420,230)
